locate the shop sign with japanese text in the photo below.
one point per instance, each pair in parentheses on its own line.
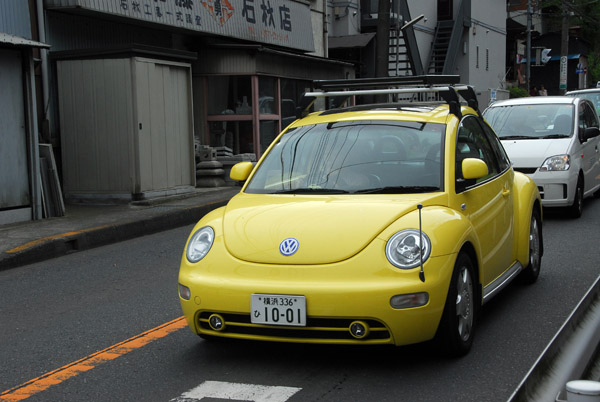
(279,22)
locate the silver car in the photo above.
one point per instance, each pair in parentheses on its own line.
(554,140)
(592,94)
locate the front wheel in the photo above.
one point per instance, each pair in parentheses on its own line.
(457,326)
(576,210)
(532,271)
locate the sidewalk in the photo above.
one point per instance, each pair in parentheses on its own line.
(88,226)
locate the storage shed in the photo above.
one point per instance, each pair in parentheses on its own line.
(126,127)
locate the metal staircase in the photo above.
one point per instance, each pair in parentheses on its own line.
(399,62)
(439,49)
(447,40)
(403,57)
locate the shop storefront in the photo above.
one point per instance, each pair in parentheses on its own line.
(248,106)
(251,63)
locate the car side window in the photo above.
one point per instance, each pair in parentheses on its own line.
(472,142)
(503,159)
(587,117)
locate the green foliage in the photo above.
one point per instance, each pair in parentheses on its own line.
(584,14)
(593,68)
(517,92)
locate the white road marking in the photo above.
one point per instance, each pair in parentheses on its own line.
(238,392)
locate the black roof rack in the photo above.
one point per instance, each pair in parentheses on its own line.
(338,91)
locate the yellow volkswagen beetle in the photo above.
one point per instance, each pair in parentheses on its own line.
(372,224)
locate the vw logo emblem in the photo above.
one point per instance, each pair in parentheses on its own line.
(289,246)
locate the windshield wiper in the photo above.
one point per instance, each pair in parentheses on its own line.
(556,136)
(517,137)
(398,190)
(311,190)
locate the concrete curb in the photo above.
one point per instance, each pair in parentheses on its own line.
(107,234)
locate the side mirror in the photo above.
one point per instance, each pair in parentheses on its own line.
(241,171)
(588,133)
(473,169)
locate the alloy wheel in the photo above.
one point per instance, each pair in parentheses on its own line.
(464,303)
(534,245)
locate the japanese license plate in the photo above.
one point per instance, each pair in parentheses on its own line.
(278,310)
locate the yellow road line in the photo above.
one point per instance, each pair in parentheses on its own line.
(70,370)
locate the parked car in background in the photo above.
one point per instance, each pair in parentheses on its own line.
(593,94)
(554,140)
(375,224)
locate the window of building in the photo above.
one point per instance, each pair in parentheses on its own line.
(229,95)
(246,113)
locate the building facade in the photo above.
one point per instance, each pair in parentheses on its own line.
(457,37)
(544,50)
(142,84)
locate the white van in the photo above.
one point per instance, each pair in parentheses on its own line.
(554,140)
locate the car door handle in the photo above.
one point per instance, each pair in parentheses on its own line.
(505,192)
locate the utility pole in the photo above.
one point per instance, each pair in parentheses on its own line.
(529,26)
(564,48)
(383,39)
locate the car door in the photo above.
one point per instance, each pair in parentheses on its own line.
(488,203)
(590,163)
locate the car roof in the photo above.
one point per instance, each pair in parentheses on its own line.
(395,112)
(537,100)
(583,91)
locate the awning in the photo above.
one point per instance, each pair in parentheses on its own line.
(350,41)
(19,41)
(513,25)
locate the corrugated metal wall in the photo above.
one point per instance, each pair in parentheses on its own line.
(278,64)
(96,110)
(14,18)
(14,179)
(76,32)
(164,108)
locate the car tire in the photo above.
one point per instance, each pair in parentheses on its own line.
(457,326)
(576,210)
(532,270)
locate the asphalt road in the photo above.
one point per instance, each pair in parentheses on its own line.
(102,325)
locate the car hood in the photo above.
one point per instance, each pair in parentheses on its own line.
(328,228)
(532,153)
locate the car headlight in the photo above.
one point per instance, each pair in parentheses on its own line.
(404,249)
(200,244)
(556,163)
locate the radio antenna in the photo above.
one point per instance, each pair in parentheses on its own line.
(421,273)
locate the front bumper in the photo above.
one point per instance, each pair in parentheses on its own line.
(357,289)
(557,189)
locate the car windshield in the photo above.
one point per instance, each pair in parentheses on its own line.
(359,157)
(531,121)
